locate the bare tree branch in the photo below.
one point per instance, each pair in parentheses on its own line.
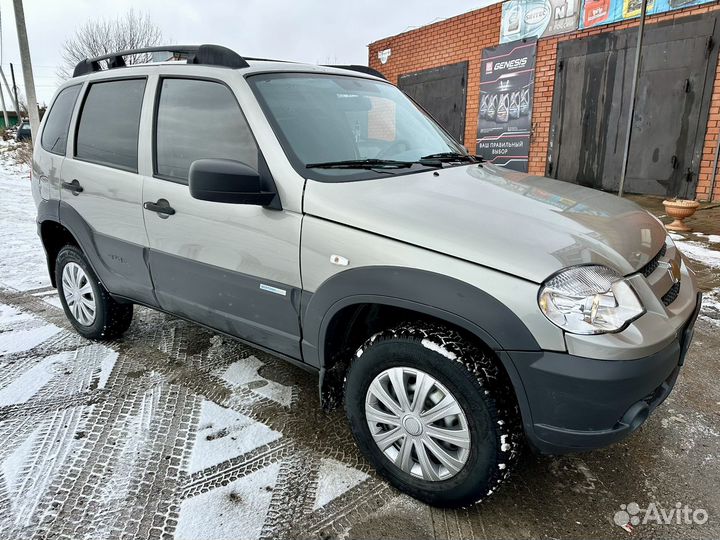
(103,36)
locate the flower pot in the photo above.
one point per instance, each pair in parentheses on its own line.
(680,209)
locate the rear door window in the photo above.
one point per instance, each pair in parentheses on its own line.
(199,119)
(110,122)
(55,132)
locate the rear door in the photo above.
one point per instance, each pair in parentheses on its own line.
(101,190)
(49,151)
(232,267)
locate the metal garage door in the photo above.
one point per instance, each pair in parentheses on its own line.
(442,92)
(592,99)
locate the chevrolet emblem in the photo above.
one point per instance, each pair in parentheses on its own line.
(673,269)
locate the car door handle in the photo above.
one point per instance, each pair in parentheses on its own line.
(73,187)
(161,207)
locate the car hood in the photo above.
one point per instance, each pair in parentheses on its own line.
(527,226)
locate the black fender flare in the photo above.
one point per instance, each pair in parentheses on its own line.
(135,284)
(48,210)
(67,217)
(430,293)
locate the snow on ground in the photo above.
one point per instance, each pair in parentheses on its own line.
(246,371)
(9,315)
(710,258)
(334,479)
(236,510)
(51,297)
(713,238)
(699,252)
(21,331)
(22,265)
(711,307)
(28,384)
(71,371)
(223,434)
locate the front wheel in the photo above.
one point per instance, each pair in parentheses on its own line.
(433,413)
(87,305)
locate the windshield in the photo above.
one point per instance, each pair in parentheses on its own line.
(325,119)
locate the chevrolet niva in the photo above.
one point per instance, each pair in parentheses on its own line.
(457,309)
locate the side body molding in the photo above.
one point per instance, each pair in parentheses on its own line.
(426,292)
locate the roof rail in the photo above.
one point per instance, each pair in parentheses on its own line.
(359,68)
(208,55)
(269,60)
(351,67)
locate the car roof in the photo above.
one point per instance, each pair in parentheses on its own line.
(212,61)
(254,67)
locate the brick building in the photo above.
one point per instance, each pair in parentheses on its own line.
(462,39)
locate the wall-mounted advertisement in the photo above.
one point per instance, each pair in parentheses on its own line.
(538,18)
(597,12)
(507,80)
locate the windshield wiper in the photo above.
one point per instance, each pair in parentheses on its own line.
(449,157)
(362,164)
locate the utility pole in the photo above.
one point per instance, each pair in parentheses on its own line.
(10,93)
(14,87)
(633,92)
(2,94)
(27,67)
(2,102)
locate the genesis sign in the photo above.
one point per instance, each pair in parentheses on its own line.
(509,65)
(506,90)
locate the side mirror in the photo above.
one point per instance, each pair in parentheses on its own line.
(227,181)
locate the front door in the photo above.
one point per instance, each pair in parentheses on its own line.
(100,199)
(592,99)
(232,267)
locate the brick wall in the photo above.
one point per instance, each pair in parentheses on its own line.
(465,36)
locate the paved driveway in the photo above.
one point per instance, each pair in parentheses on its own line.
(175,432)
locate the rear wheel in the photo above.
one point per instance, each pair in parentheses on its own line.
(433,413)
(87,305)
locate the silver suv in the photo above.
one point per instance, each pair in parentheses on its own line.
(456,309)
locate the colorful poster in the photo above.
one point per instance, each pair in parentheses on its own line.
(597,12)
(507,80)
(538,18)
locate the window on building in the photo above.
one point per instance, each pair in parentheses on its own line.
(55,133)
(110,122)
(197,120)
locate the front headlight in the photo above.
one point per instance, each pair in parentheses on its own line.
(589,300)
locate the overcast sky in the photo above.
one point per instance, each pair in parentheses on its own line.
(311,31)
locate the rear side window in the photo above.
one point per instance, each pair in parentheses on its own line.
(55,133)
(199,119)
(109,124)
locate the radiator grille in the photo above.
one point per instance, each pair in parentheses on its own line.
(650,267)
(670,296)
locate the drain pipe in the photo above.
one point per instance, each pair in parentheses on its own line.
(714,170)
(638,49)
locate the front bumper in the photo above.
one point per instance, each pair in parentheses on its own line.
(576,404)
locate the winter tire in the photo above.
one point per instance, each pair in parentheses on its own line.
(433,413)
(87,305)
